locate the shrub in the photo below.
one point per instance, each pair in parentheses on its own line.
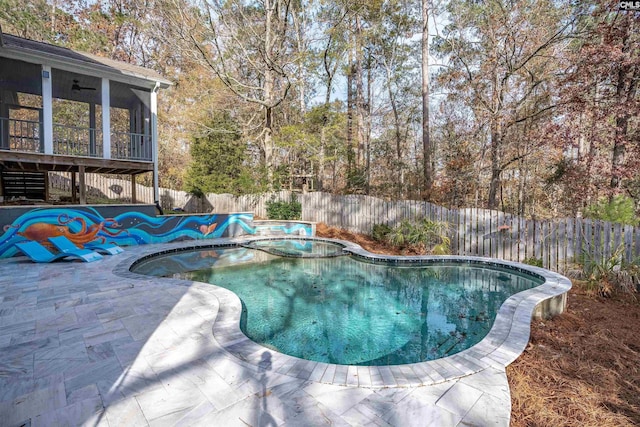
(536,262)
(380,232)
(610,274)
(278,209)
(620,209)
(425,236)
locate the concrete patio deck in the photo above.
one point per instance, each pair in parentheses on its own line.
(92,344)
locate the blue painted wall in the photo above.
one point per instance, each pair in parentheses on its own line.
(82,224)
(125,226)
(274,227)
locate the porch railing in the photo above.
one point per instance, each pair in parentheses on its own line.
(77,141)
(20,135)
(130,146)
(26,136)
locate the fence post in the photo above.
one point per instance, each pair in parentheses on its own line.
(545,244)
(522,238)
(454,216)
(468,231)
(597,240)
(474,229)
(617,238)
(553,245)
(588,248)
(606,240)
(537,240)
(628,243)
(570,244)
(636,231)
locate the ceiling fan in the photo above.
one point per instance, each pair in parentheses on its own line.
(77,88)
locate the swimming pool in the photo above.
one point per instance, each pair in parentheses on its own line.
(358,309)
(303,248)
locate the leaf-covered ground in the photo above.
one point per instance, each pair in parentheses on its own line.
(580,369)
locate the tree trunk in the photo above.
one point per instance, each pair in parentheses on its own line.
(522,183)
(427,149)
(350,108)
(268,146)
(617,160)
(268,96)
(367,135)
(321,158)
(300,39)
(397,133)
(54,6)
(623,93)
(360,107)
(494,185)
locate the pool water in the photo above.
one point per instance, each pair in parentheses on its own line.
(298,248)
(345,311)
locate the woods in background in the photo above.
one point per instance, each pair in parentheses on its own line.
(531,107)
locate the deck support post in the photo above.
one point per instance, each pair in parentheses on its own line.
(134,198)
(74,189)
(106,120)
(47,110)
(46,186)
(92,130)
(154,141)
(83,188)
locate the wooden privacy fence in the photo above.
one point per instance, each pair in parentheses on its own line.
(557,243)
(256,203)
(119,189)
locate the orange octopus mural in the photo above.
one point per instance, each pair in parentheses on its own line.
(122,226)
(206,230)
(41,231)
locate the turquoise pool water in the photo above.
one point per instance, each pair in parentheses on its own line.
(298,248)
(345,311)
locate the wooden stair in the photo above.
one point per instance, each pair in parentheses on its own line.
(23,184)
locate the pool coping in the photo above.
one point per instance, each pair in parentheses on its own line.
(504,343)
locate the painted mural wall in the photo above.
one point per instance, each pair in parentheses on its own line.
(274,227)
(125,226)
(83,224)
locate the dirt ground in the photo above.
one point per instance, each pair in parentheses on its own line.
(580,369)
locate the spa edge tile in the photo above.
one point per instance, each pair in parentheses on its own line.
(399,376)
(433,371)
(387,376)
(306,371)
(329,374)
(318,372)
(421,371)
(352,375)
(364,376)
(340,377)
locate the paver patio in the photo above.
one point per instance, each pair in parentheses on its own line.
(92,344)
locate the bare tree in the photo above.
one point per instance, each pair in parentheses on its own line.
(503,56)
(250,47)
(427,149)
